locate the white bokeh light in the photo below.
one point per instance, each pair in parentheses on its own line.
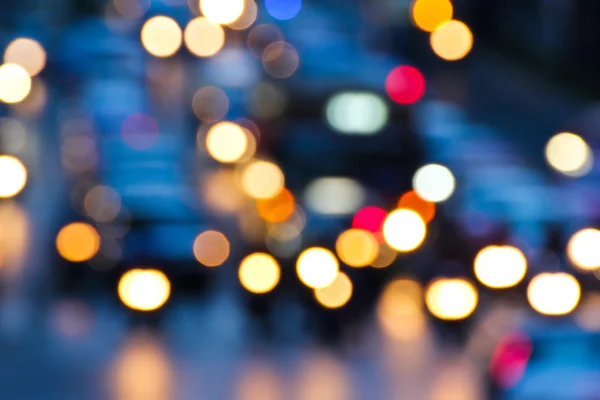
(434,182)
(357,113)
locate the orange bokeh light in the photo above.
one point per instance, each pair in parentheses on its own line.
(429,14)
(412,201)
(278,208)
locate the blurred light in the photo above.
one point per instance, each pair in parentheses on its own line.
(284,248)
(570,154)
(262,180)
(131,8)
(139,131)
(78,242)
(357,247)
(412,201)
(267,101)
(211,248)
(451,299)
(35,102)
(259,381)
(15,83)
(102,203)
(247,18)
(583,249)
(404,230)
(72,319)
(27,53)
(250,148)
(385,257)
(323,377)
(370,219)
(262,36)
(317,267)
(429,14)
(336,294)
(13,176)
(222,11)
(553,293)
(79,154)
(15,240)
(210,104)
(360,113)
(434,182)
(226,142)
(144,289)
(203,38)
(289,229)
(334,196)
(283,9)
(405,85)
(221,193)
(452,40)
(13,135)
(500,267)
(259,273)
(278,208)
(400,310)
(510,359)
(280,60)
(161,36)
(587,316)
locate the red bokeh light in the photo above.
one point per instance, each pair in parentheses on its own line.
(405,85)
(370,219)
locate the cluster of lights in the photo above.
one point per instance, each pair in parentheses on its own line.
(24,58)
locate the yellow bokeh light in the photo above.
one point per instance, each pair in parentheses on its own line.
(357,247)
(222,11)
(337,294)
(500,267)
(554,293)
(15,83)
(385,257)
(161,36)
(226,142)
(429,14)
(211,248)
(570,154)
(262,180)
(144,289)
(317,267)
(451,299)
(78,242)
(247,18)
(404,230)
(13,176)
(583,249)
(27,53)
(400,310)
(203,38)
(452,40)
(259,273)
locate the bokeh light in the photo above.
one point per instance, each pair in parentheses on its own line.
(357,113)
(569,154)
(226,142)
(262,180)
(13,176)
(102,203)
(412,201)
(404,230)
(370,219)
(210,104)
(139,131)
(220,191)
(434,182)
(27,53)
(161,36)
(222,11)
(203,38)
(583,249)
(357,247)
(452,40)
(334,195)
(15,83)
(500,267)
(429,14)
(262,36)
(405,85)
(211,248)
(78,242)
(280,60)
(385,257)
(247,18)
(35,103)
(317,267)
(278,208)
(283,9)
(131,8)
(144,289)
(337,294)
(451,299)
(259,273)
(400,310)
(267,101)
(554,293)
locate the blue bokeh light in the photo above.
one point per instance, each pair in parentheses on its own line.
(283,9)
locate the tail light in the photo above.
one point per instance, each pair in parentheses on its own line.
(510,359)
